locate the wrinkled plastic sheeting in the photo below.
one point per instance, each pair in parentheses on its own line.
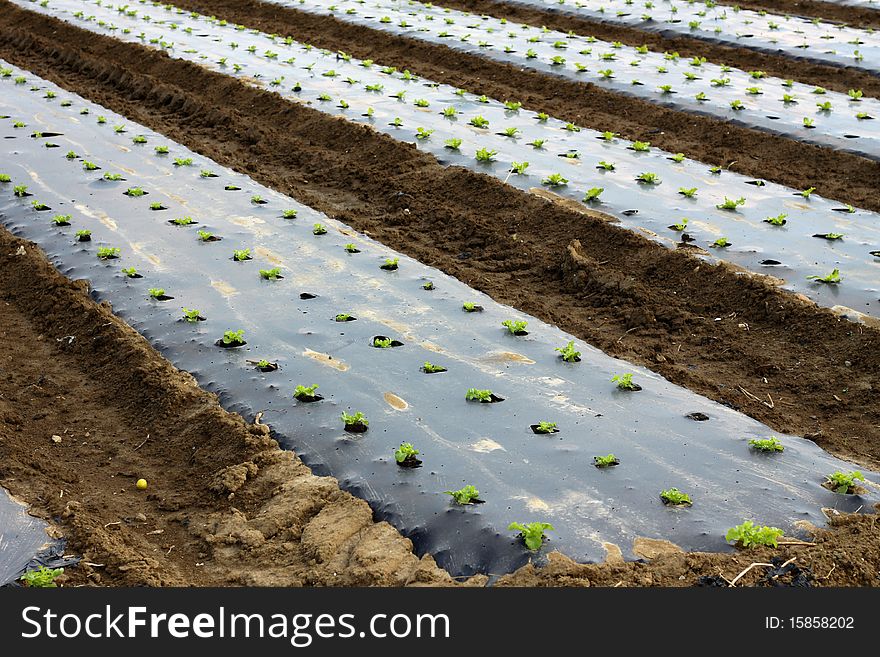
(22,537)
(521,476)
(789,254)
(761,101)
(798,37)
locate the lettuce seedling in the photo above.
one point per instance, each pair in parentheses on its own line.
(131,272)
(479,122)
(240,255)
(42,578)
(485,155)
(625,382)
(430,368)
(61,219)
(721,243)
(108,252)
(422,133)
(770,444)
(158,293)
(689,192)
(382,343)
(305,393)
(778,220)
(233,338)
(555,180)
(470,307)
(20,191)
(474,394)
(357,422)
(532,533)
(640,146)
(90,166)
(271,274)
(843,483)
(829,236)
(731,204)
(134,192)
(680,226)
(192,315)
(428,285)
(319,229)
(405,455)
(675,497)
(183,221)
(807,192)
(5,178)
(139,139)
(831,279)
(453,143)
(592,195)
(344,317)
(390,264)
(607,166)
(545,427)
(606,461)
(183,161)
(568,353)
(83,235)
(515,327)
(648,178)
(351,248)
(71,155)
(749,535)
(289,214)
(39,206)
(465,495)
(519,168)
(161,150)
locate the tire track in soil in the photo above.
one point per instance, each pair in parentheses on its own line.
(705,327)
(842,176)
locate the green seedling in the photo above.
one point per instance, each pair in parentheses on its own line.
(139,139)
(271,274)
(134,192)
(319,229)
(240,255)
(606,461)
(675,497)
(453,143)
(83,235)
(555,180)
(844,483)
(90,166)
(678,157)
(305,393)
(131,272)
(806,193)
(830,236)
(568,353)
(485,155)
(479,122)
(519,168)
(405,453)
(532,533)
(428,285)
(157,292)
(466,495)
(721,243)
(625,382)
(423,134)
(113,176)
(183,161)
(778,220)
(689,192)
(748,535)
(680,226)
(161,150)
(108,252)
(382,343)
(641,146)
(390,264)
(737,105)
(648,178)
(470,307)
(545,427)
(5,178)
(71,155)
(233,338)
(206,236)
(343,317)
(191,315)
(61,219)
(515,327)
(731,204)
(831,279)
(42,578)
(770,444)
(430,368)
(102,120)
(39,206)
(475,394)
(592,195)
(607,166)
(183,221)
(358,419)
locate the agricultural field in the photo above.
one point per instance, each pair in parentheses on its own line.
(383,292)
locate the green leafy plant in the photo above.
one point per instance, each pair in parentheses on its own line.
(357,418)
(430,368)
(689,192)
(748,535)
(721,243)
(240,255)
(842,482)
(641,146)
(233,338)
(592,194)
(453,143)
(545,427)
(130,272)
(183,221)
(390,264)
(831,279)
(485,155)
(319,229)
(134,192)
(5,178)
(778,220)
(532,533)
(161,150)
(770,444)
(607,166)
(625,382)
(648,178)
(157,292)
(475,394)
(555,180)
(466,495)
(42,578)
(606,461)
(305,393)
(479,122)
(108,252)
(191,315)
(406,453)
(806,193)
(675,497)
(515,327)
(83,235)
(61,219)
(271,274)
(20,191)
(731,204)
(382,343)
(183,161)
(568,353)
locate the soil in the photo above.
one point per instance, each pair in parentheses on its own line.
(224,504)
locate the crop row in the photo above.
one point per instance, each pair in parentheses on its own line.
(326,313)
(800,37)
(824,250)
(751,98)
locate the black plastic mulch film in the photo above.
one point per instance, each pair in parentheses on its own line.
(794,236)
(292,322)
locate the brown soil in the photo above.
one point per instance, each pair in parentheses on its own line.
(825,75)
(835,174)
(628,296)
